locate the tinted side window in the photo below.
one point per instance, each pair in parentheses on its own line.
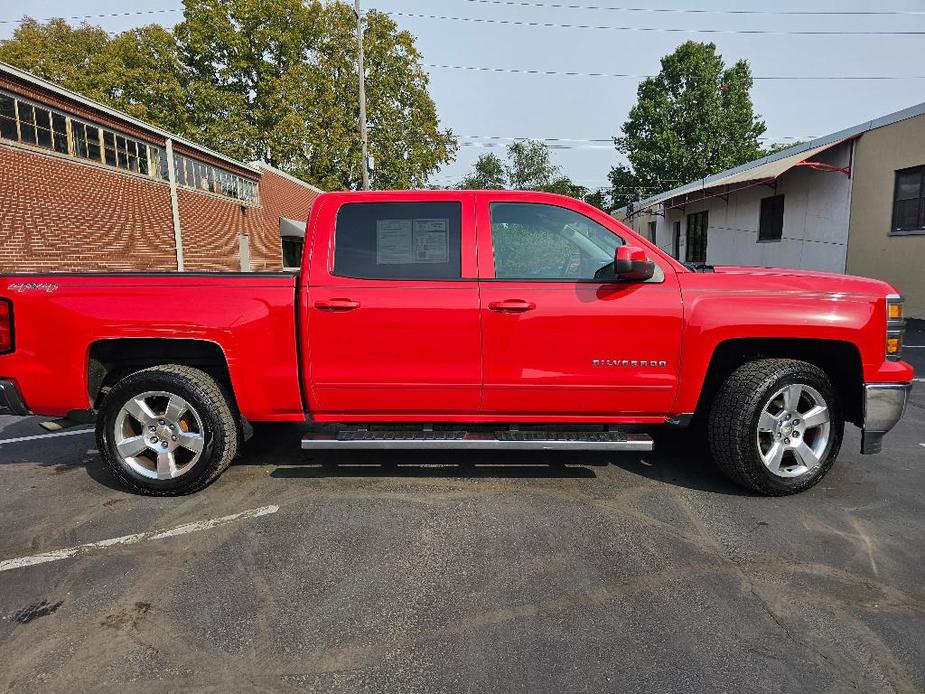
(533,240)
(398,240)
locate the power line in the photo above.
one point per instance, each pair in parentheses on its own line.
(543,139)
(100,16)
(495,143)
(563,6)
(570,73)
(675,30)
(575,73)
(821,13)
(600,139)
(525,3)
(490,145)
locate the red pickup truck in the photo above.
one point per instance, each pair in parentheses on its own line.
(465,319)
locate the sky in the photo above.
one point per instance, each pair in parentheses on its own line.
(580,111)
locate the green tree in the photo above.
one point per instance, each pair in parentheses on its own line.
(73,57)
(146,78)
(273,80)
(280,84)
(563,185)
(600,198)
(487,174)
(528,167)
(775,147)
(138,72)
(693,119)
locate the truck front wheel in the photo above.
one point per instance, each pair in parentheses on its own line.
(776,426)
(167,430)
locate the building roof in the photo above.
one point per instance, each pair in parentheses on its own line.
(776,164)
(259,165)
(29,78)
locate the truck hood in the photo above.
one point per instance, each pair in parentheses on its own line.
(788,279)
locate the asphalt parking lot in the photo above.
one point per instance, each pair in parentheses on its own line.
(447,572)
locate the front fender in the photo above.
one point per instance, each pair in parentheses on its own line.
(714,316)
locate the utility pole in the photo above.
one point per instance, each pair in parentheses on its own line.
(364,147)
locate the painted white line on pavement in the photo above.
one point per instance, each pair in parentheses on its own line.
(194,527)
(913,346)
(919,380)
(46,436)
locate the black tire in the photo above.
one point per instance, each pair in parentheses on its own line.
(734,416)
(221,431)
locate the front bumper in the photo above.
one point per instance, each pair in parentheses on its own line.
(884,405)
(11,401)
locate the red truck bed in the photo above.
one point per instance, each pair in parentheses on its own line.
(250,317)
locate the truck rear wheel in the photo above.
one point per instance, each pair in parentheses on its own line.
(168,430)
(776,426)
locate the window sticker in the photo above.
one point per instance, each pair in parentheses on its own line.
(431,240)
(393,242)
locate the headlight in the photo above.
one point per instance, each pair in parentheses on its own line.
(895,326)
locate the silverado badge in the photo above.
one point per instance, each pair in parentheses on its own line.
(649,363)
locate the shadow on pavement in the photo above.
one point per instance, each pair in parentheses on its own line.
(98,472)
(481,470)
(15,427)
(680,458)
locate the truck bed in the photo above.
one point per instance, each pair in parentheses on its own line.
(250,317)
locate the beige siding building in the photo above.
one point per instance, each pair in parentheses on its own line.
(853,201)
(880,244)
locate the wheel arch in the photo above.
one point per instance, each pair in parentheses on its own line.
(840,360)
(110,360)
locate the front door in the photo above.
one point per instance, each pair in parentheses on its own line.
(558,342)
(392,310)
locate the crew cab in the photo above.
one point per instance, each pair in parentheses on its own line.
(467,319)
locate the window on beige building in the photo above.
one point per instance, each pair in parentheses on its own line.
(909,202)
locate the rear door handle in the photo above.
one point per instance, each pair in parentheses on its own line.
(512,306)
(337,305)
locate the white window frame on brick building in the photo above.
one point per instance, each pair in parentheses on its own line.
(38,125)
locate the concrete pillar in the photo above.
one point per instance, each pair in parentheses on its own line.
(175,205)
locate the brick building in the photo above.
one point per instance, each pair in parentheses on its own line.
(86,188)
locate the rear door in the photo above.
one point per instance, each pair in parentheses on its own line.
(557,342)
(392,308)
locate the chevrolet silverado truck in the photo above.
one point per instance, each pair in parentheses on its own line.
(460,319)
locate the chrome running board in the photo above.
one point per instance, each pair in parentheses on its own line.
(496,440)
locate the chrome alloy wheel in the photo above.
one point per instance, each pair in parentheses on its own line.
(158,435)
(793,430)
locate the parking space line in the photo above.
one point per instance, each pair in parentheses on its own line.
(58,554)
(47,436)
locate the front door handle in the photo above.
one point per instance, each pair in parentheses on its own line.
(337,305)
(512,306)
